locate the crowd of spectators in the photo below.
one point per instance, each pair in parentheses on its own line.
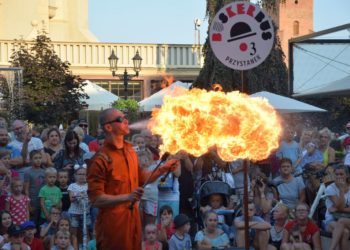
(44,193)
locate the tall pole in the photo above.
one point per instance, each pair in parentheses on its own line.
(125,78)
(245,204)
(245,185)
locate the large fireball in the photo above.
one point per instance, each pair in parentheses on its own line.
(237,125)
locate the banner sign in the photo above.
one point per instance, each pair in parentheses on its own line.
(241,35)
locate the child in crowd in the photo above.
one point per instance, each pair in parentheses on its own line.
(49,228)
(78,196)
(5,178)
(62,241)
(63,177)
(166,227)
(215,204)
(18,203)
(64,225)
(181,239)
(29,228)
(151,241)
(49,194)
(16,237)
(149,199)
(34,180)
(138,141)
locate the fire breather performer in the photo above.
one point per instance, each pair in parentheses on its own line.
(114,181)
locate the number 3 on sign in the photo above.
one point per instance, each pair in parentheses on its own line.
(253,49)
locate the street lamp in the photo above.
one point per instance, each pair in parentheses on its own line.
(113,65)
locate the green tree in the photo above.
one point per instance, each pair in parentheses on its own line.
(50,94)
(129,106)
(271,75)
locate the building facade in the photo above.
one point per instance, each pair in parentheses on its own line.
(66,22)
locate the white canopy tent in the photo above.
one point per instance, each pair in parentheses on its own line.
(340,88)
(99,98)
(287,105)
(156,100)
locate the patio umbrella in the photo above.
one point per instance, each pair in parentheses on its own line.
(156,100)
(287,105)
(99,98)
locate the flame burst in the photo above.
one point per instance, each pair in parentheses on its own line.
(237,125)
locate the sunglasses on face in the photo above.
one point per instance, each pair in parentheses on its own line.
(118,119)
(83,125)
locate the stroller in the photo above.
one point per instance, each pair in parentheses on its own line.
(202,199)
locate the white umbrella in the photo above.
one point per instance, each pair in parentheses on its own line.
(285,104)
(99,98)
(156,100)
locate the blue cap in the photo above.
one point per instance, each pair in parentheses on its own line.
(28,224)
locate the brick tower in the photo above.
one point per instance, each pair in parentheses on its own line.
(294,18)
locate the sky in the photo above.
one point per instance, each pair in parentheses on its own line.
(172,21)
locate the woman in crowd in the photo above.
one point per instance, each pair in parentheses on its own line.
(70,155)
(307,136)
(290,189)
(53,144)
(80,133)
(301,233)
(5,223)
(338,200)
(280,217)
(325,137)
(263,197)
(211,236)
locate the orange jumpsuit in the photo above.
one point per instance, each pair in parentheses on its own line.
(115,171)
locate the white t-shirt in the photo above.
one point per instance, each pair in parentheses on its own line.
(76,207)
(151,190)
(332,190)
(34,144)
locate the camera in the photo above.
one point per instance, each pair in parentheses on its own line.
(136,148)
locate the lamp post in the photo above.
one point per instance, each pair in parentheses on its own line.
(113,65)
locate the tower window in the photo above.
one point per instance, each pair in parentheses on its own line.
(295,28)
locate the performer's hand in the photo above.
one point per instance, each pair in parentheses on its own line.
(171,165)
(136,194)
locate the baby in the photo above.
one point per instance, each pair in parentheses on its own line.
(215,203)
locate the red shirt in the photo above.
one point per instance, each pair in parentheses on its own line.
(94,146)
(37,244)
(310,230)
(169,230)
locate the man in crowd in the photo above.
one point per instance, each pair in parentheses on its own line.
(85,126)
(25,143)
(15,156)
(114,180)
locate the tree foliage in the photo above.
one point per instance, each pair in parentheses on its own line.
(129,107)
(271,75)
(49,93)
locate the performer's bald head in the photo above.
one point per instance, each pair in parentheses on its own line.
(106,116)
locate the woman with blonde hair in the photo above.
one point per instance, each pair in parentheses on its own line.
(325,137)
(338,200)
(280,216)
